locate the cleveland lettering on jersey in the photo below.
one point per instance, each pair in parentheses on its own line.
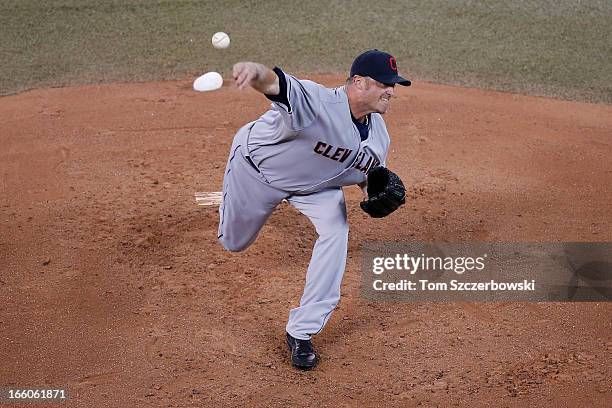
(363,164)
(340,154)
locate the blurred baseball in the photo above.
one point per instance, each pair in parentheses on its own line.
(208,82)
(220,40)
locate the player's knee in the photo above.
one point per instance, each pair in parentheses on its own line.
(336,230)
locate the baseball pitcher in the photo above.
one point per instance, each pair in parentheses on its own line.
(313,141)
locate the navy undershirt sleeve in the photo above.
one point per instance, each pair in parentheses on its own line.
(282,95)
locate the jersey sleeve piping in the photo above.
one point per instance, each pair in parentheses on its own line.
(282,96)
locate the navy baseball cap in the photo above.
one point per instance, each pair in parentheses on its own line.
(378,65)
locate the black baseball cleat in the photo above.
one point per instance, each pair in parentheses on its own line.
(302,353)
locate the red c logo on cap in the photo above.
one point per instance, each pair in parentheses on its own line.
(392,63)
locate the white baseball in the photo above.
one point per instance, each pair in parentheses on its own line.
(220,40)
(208,82)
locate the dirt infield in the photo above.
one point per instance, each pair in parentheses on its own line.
(113,286)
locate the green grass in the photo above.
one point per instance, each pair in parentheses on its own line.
(558,48)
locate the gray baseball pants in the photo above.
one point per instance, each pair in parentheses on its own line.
(248,201)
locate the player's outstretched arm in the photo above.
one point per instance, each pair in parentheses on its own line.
(257,76)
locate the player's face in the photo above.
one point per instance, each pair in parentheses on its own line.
(378,95)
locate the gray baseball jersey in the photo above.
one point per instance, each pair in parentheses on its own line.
(312,143)
(304,149)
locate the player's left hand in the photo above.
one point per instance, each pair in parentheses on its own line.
(386,193)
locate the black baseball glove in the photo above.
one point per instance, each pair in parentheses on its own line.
(386,193)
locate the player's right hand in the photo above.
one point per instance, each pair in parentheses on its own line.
(245,73)
(255,75)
